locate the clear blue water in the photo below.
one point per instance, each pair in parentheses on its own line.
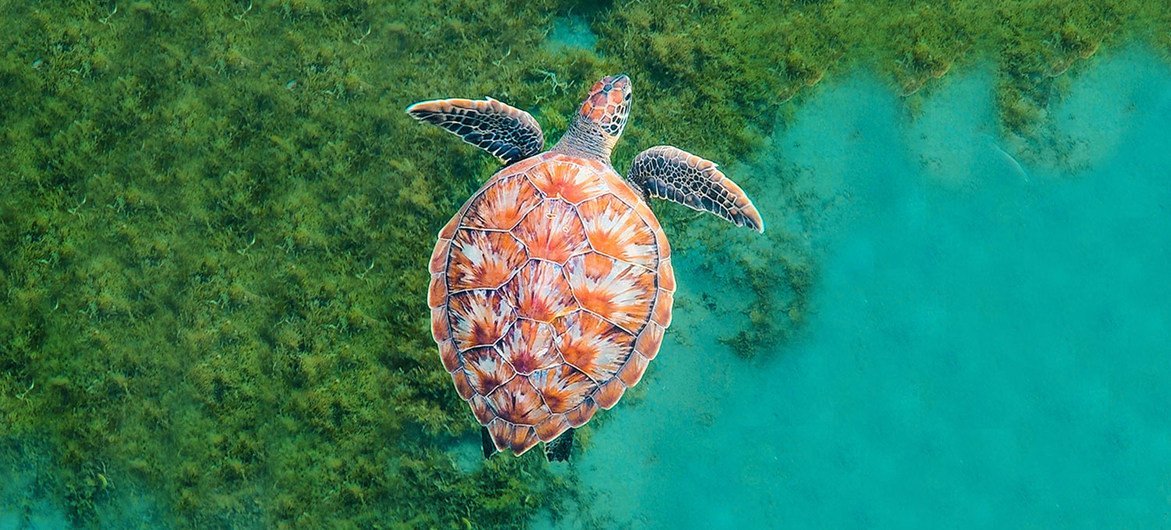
(990,335)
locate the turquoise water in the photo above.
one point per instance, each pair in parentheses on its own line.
(989,338)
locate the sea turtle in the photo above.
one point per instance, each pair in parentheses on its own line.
(552,287)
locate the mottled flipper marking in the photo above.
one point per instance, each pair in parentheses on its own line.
(557,449)
(509,133)
(670,173)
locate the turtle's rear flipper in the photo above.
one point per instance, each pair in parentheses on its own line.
(557,449)
(486,443)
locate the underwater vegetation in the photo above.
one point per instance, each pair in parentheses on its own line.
(216,220)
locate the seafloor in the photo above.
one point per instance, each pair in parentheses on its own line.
(215,220)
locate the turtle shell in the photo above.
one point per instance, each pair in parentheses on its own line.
(550,292)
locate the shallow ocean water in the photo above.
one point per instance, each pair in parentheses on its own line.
(988,338)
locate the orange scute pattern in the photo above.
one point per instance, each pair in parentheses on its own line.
(508,436)
(550,293)
(552,427)
(632,371)
(666,275)
(594,345)
(439,256)
(437,290)
(616,230)
(552,231)
(540,292)
(563,387)
(614,289)
(478,318)
(518,402)
(483,260)
(663,303)
(486,369)
(449,355)
(579,415)
(649,340)
(568,181)
(503,205)
(609,394)
(528,346)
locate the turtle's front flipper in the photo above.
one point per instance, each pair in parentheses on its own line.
(507,132)
(670,173)
(557,449)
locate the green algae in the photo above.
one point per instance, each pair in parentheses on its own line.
(217,218)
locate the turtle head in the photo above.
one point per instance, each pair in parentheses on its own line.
(608,105)
(600,121)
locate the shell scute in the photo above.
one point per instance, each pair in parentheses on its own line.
(449,229)
(438,261)
(478,318)
(481,409)
(518,402)
(540,292)
(552,231)
(440,327)
(661,242)
(462,386)
(449,356)
(582,413)
(562,387)
(624,191)
(502,205)
(567,179)
(633,370)
(666,275)
(483,260)
(486,369)
(662,313)
(618,291)
(593,345)
(616,230)
(608,394)
(552,427)
(528,346)
(437,291)
(649,340)
(511,437)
